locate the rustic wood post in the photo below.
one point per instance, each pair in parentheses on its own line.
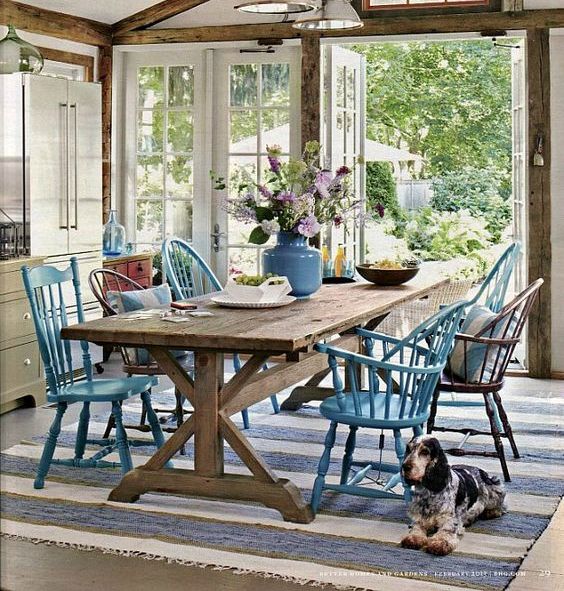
(105,77)
(539,244)
(311,89)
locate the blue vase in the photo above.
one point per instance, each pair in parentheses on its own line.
(113,239)
(293,258)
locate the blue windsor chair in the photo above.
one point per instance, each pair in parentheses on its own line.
(491,294)
(399,392)
(190,276)
(45,287)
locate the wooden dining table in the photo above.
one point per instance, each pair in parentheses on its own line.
(287,334)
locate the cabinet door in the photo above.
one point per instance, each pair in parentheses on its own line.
(85,170)
(46,155)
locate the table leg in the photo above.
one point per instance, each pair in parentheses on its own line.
(210,424)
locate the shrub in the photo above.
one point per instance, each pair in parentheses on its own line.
(484,192)
(381,189)
(441,236)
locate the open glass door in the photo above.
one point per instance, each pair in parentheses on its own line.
(256,104)
(344,135)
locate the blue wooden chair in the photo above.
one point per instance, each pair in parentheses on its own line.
(190,276)
(45,287)
(399,391)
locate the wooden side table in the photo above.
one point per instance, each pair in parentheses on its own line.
(139,267)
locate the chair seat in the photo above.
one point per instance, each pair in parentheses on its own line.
(452,383)
(104,390)
(329,408)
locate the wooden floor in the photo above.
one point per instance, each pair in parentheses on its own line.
(26,566)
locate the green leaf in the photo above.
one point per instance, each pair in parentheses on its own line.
(264,213)
(258,236)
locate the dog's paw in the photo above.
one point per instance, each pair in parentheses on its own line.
(439,547)
(414,542)
(492,513)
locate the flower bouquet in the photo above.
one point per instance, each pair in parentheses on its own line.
(297,196)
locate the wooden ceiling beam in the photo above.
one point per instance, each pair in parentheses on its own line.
(405,25)
(54,24)
(154,14)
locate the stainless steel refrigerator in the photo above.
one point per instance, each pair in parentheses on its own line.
(51,181)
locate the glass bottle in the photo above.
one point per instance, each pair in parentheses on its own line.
(113,239)
(326,257)
(340,261)
(17,55)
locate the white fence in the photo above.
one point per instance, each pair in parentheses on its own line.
(414,194)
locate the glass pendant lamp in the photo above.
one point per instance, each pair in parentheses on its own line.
(17,55)
(333,15)
(274,7)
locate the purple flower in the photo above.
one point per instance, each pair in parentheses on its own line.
(265,192)
(380,209)
(322,183)
(343,171)
(286,197)
(309,226)
(338,220)
(274,164)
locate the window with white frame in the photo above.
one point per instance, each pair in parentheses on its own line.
(164,157)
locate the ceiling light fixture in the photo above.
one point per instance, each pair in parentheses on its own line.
(333,15)
(275,7)
(17,55)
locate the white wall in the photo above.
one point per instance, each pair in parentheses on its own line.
(54,43)
(557,191)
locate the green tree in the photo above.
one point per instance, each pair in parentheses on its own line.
(449,101)
(381,189)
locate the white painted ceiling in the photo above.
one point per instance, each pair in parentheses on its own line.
(214,12)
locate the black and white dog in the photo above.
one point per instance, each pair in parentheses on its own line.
(445,498)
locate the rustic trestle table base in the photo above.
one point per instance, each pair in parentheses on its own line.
(292,331)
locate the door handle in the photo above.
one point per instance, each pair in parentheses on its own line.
(65,135)
(216,235)
(74,107)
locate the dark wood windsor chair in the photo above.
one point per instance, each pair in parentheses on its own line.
(497,341)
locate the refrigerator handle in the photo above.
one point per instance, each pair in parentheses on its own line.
(66,147)
(74,107)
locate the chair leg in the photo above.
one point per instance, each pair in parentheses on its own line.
(400,453)
(109,426)
(49,447)
(323,467)
(275,405)
(497,438)
(417,430)
(433,411)
(82,433)
(506,426)
(348,457)
(121,439)
(179,412)
(245,416)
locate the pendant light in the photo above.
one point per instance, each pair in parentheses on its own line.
(17,55)
(274,7)
(333,15)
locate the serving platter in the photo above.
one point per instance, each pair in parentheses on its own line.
(227,301)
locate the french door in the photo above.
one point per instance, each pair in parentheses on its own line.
(344,135)
(256,104)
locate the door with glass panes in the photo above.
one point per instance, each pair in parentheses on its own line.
(256,104)
(343,137)
(165,185)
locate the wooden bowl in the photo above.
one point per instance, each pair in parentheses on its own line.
(387,276)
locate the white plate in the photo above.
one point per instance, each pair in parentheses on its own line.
(229,302)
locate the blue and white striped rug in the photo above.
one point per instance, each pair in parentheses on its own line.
(352,543)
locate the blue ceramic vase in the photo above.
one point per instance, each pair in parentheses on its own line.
(293,258)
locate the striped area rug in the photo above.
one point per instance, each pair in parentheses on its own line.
(352,543)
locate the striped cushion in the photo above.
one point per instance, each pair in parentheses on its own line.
(477,319)
(141,299)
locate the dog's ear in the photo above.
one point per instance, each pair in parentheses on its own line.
(437,472)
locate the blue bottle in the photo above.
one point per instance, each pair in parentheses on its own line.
(113,240)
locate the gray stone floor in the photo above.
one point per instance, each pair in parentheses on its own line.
(26,566)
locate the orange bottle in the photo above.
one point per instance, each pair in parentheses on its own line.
(340,262)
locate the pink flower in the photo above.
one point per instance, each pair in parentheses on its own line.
(309,226)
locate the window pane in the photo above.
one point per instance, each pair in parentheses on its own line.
(244,85)
(275,129)
(243,132)
(180,177)
(351,88)
(149,176)
(180,86)
(350,133)
(340,90)
(242,171)
(150,131)
(180,131)
(179,219)
(275,84)
(151,86)
(149,221)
